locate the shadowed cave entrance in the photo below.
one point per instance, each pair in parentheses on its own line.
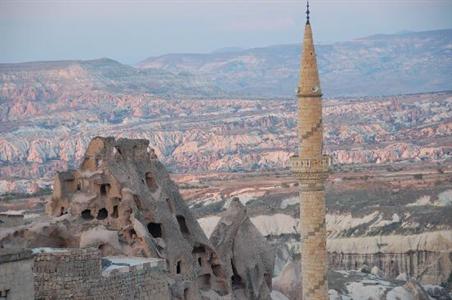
(102,214)
(86,214)
(236,280)
(182,224)
(155,229)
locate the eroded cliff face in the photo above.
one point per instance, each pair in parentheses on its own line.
(219,135)
(122,201)
(359,285)
(426,266)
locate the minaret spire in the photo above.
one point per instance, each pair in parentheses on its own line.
(311,167)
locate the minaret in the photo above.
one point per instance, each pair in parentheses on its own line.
(311,168)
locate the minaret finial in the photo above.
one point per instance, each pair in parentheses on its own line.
(307,12)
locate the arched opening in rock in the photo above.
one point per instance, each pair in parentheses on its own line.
(150,181)
(186,293)
(200,261)
(62,211)
(115,212)
(204,282)
(86,214)
(179,267)
(79,186)
(104,189)
(155,229)
(182,224)
(102,214)
(236,280)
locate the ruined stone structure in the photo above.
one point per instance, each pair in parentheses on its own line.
(248,257)
(122,201)
(311,168)
(80,274)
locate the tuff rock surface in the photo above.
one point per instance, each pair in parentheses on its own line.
(122,201)
(247,257)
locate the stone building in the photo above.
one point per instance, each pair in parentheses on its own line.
(49,273)
(311,168)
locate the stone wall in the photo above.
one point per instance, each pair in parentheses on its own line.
(77,273)
(16,277)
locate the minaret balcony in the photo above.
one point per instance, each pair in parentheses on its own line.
(299,165)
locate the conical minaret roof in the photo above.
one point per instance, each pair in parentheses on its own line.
(309,85)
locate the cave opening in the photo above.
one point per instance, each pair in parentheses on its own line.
(102,214)
(155,229)
(199,249)
(236,280)
(182,224)
(115,212)
(104,189)
(178,267)
(86,214)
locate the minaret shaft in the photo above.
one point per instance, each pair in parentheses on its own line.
(311,167)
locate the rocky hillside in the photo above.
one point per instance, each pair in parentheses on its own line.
(51,81)
(218,135)
(375,65)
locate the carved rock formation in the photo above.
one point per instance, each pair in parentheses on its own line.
(288,282)
(122,201)
(247,257)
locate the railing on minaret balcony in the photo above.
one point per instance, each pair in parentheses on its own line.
(299,165)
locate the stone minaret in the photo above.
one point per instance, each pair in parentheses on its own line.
(311,168)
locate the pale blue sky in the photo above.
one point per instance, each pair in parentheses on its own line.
(130,31)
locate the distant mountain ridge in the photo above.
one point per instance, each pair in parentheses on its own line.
(372,66)
(386,64)
(53,79)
